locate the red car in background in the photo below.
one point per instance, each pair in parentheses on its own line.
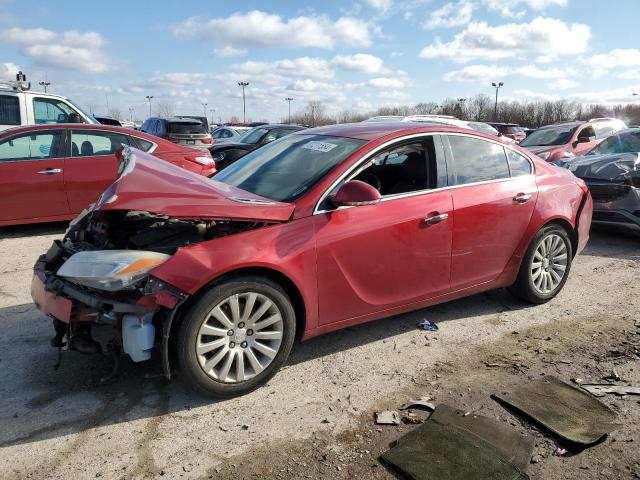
(53,172)
(510,130)
(319,230)
(570,139)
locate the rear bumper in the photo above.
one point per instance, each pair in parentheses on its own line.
(585,216)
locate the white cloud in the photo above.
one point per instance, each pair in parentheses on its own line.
(619,57)
(562,84)
(360,62)
(605,97)
(262,29)
(8,70)
(508,8)
(181,79)
(473,73)
(229,51)
(630,75)
(281,71)
(389,82)
(450,15)
(382,5)
(541,36)
(74,50)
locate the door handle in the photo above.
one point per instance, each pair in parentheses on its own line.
(522,197)
(436,219)
(50,171)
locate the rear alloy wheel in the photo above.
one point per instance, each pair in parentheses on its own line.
(545,267)
(236,336)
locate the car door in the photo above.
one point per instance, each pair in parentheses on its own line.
(493,203)
(92,165)
(31,176)
(372,258)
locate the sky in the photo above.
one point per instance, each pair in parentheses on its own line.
(356,55)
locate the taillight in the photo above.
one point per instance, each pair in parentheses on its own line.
(202,160)
(207,140)
(583,186)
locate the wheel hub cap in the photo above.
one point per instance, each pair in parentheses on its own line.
(239,337)
(549,263)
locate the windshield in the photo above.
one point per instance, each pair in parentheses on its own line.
(186,127)
(622,143)
(286,168)
(254,136)
(549,136)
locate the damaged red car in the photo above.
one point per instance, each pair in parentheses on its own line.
(317,231)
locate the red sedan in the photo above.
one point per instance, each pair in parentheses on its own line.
(317,231)
(52,172)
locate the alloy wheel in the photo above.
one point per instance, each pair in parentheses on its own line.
(239,337)
(549,263)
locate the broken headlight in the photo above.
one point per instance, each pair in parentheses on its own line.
(110,270)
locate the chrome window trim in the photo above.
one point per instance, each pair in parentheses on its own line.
(72,130)
(317,211)
(24,134)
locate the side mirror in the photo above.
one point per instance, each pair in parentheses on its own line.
(584,139)
(355,193)
(75,118)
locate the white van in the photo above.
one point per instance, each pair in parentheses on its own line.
(20,106)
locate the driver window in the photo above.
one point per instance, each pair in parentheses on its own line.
(405,168)
(587,132)
(49,110)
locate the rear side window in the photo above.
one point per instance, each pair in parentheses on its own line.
(40,146)
(185,128)
(9,110)
(144,145)
(90,143)
(518,164)
(477,160)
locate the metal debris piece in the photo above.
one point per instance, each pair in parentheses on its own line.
(387,417)
(427,325)
(613,375)
(602,390)
(418,404)
(560,452)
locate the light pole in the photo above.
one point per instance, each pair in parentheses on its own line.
(131,111)
(204,108)
(211,110)
(244,105)
(495,108)
(313,114)
(149,97)
(289,99)
(45,85)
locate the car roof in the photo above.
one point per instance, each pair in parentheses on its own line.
(185,120)
(374,130)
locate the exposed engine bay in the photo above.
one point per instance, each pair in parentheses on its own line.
(99,275)
(130,230)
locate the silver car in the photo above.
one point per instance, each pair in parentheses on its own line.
(228,134)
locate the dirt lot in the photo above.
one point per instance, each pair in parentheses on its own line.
(315,418)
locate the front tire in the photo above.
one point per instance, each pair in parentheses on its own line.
(545,267)
(236,336)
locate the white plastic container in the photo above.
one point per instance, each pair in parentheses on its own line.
(138,336)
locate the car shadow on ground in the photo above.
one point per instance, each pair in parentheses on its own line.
(21,231)
(614,242)
(41,402)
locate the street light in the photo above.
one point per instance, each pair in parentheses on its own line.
(149,97)
(204,108)
(211,110)
(495,108)
(244,105)
(131,112)
(45,85)
(289,99)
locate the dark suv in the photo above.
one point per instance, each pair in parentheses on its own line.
(189,132)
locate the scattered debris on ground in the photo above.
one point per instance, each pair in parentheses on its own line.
(427,325)
(602,390)
(387,417)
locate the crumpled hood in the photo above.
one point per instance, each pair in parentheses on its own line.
(148,184)
(614,167)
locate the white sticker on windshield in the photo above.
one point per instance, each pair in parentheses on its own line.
(319,146)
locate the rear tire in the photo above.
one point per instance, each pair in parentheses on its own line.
(236,336)
(545,266)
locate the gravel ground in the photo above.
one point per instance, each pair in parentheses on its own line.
(314,419)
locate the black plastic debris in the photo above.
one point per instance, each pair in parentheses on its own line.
(569,412)
(427,325)
(453,445)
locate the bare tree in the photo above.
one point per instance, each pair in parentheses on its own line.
(115,113)
(165,109)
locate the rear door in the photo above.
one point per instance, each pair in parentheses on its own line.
(31,176)
(92,165)
(493,202)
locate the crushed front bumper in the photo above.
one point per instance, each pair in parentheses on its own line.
(615,203)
